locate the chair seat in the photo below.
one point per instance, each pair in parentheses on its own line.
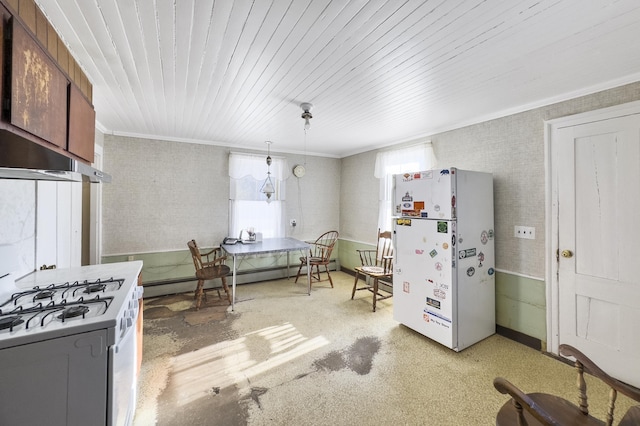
(303,259)
(212,272)
(563,411)
(372,269)
(631,417)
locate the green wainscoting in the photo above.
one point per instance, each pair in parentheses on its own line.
(160,267)
(348,255)
(521,305)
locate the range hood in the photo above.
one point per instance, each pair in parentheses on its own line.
(21,158)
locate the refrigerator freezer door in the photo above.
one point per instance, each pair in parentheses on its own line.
(428,194)
(424,279)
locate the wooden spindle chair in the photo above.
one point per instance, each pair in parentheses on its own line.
(544,409)
(209,266)
(378,266)
(319,255)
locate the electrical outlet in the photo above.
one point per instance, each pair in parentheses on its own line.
(526,232)
(129,258)
(293,222)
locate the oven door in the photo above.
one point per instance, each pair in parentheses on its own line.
(55,382)
(123,373)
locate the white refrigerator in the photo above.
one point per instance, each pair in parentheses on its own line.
(444,276)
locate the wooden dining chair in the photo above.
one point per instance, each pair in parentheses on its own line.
(376,266)
(209,266)
(544,409)
(319,255)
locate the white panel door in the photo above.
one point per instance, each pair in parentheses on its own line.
(598,181)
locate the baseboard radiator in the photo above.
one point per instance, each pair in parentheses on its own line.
(188,284)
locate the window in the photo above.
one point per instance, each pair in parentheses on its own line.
(248,206)
(409,159)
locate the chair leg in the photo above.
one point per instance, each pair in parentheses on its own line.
(355,284)
(317,272)
(299,269)
(199,293)
(375,293)
(226,288)
(326,267)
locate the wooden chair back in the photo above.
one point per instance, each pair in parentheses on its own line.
(195,255)
(205,260)
(383,255)
(322,247)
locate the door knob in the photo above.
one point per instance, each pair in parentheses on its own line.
(567,253)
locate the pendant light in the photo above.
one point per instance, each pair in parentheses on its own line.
(267,187)
(306,114)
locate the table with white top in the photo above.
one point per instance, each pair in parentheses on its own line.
(266,246)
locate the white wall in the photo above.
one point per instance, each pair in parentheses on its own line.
(42,220)
(18,219)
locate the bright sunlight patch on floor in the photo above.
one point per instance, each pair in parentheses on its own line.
(238,361)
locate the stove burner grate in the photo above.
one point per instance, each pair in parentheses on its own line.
(10,322)
(44,294)
(94,288)
(73,311)
(68,289)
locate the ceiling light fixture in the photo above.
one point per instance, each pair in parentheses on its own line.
(306,114)
(267,187)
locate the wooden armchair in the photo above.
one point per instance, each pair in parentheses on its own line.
(378,266)
(320,255)
(209,266)
(544,409)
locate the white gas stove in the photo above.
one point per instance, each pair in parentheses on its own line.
(58,302)
(69,333)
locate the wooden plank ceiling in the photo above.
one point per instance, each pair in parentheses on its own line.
(378,72)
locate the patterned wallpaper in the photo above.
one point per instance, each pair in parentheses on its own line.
(166,193)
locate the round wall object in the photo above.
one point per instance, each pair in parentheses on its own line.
(299,170)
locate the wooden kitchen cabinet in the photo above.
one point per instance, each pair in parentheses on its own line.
(38,89)
(82,130)
(41,102)
(5,18)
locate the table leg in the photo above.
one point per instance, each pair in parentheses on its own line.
(233,285)
(308,275)
(288,274)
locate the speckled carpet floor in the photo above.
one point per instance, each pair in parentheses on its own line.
(286,358)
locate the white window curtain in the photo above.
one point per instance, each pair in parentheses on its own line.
(408,159)
(248,207)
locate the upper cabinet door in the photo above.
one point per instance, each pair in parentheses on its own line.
(38,90)
(82,130)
